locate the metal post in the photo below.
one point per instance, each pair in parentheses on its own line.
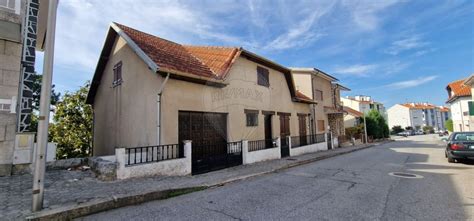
(45,100)
(365,130)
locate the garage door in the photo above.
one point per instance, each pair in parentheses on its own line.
(208,133)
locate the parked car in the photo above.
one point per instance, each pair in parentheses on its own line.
(460,145)
(404,133)
(443,133)
(419,132)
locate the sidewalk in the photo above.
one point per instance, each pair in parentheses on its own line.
(75,193)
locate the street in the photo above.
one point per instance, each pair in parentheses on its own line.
(354,186)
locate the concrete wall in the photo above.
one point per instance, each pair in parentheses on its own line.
(126,115)
(260,155)
(174,167)
(461,122)
(399,115)
(309,148)
(350,121)
(303,83)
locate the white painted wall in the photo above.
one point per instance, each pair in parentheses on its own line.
(174,167)
(260,155)
(460,121)
(399,115)
(312,148)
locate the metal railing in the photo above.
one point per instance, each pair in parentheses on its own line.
(256,145)
(147,154)
(234,147)
(298,141)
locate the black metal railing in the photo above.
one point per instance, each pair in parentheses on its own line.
(147,154)
(298,141)
(256,145)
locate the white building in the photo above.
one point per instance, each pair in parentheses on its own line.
(459,98)
(418,115)
(364,104)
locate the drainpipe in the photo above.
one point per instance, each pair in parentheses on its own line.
(313,124)
(158,104)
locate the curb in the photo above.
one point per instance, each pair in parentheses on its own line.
(75,211)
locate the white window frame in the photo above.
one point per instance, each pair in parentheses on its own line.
(16,8)
(7,102)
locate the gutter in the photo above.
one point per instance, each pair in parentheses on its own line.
(158,114)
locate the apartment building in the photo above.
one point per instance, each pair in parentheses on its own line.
(364,104)
(418,115)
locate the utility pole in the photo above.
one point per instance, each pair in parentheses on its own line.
(365,129)
(45,100)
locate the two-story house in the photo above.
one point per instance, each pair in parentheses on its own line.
(327,113)
(150,91)
(459,98)
(364,104)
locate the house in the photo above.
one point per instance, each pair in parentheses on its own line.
(150,91)
(469,82)
(364,104)
(417,116)
(22,31)
(352,118)
(327,114)
(459,98)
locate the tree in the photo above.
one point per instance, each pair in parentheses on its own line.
(409,128)
(397,129)
(449,125)
(376,125)
(428,129)
(36,88)
(72,128)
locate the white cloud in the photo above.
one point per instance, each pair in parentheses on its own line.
(412,83)
(359,70)
(366,13)
(406,44)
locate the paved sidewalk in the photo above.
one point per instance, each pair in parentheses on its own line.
(65,188)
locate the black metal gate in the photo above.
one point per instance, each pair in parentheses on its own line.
(208,133)
(285,147)
(329,140)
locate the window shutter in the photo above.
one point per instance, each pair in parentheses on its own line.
(262,77)
(471,108)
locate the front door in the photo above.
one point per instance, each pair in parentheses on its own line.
(268,131)
(302,126)
(284,133)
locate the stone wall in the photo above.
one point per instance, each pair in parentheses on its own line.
(10,57)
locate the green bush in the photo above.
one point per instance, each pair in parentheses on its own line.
(397,129)
(376,125)
(449,125)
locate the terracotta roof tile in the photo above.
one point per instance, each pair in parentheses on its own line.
(353,112)
(302,96)
(459,89)
(419,105)
(212,62)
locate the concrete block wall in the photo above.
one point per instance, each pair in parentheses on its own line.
(260,155)
(10,60)
(312,148)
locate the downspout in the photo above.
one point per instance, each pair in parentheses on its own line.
(313,106)
(158,115)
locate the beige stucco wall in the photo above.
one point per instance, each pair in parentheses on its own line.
(303,83)
(126,115)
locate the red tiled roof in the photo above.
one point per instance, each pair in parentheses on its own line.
(419,105)
(301,95)
(212,62)
(459,89)
(444,109)
(353,112)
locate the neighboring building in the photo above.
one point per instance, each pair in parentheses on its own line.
(470,83)
(327,113)
(22,29)
(417,115)
(353,118)
(150,91)
(364,104)
(459,98)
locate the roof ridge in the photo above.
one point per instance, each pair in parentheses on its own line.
(146,33)
(210,46)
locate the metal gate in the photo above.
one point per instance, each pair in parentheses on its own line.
(208,133)
(329,140)
(284,133)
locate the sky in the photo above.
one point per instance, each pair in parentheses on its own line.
(395,51)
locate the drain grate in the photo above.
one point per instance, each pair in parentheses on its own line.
(405,175)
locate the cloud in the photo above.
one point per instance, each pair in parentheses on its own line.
(365,13)
(359,70)
(406,44)
(412,83)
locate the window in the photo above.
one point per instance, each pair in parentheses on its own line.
(262,77)
(251,117)
(318,95)
(321,126)
(117,74)
(5,105)
(13,5)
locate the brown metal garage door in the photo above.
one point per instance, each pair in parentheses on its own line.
(208,132)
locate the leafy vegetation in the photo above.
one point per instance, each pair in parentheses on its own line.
(397,129)
(72,125)
(36,88)
(449,125)
(428,129)
(376,125)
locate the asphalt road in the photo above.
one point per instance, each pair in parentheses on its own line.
(355,186)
